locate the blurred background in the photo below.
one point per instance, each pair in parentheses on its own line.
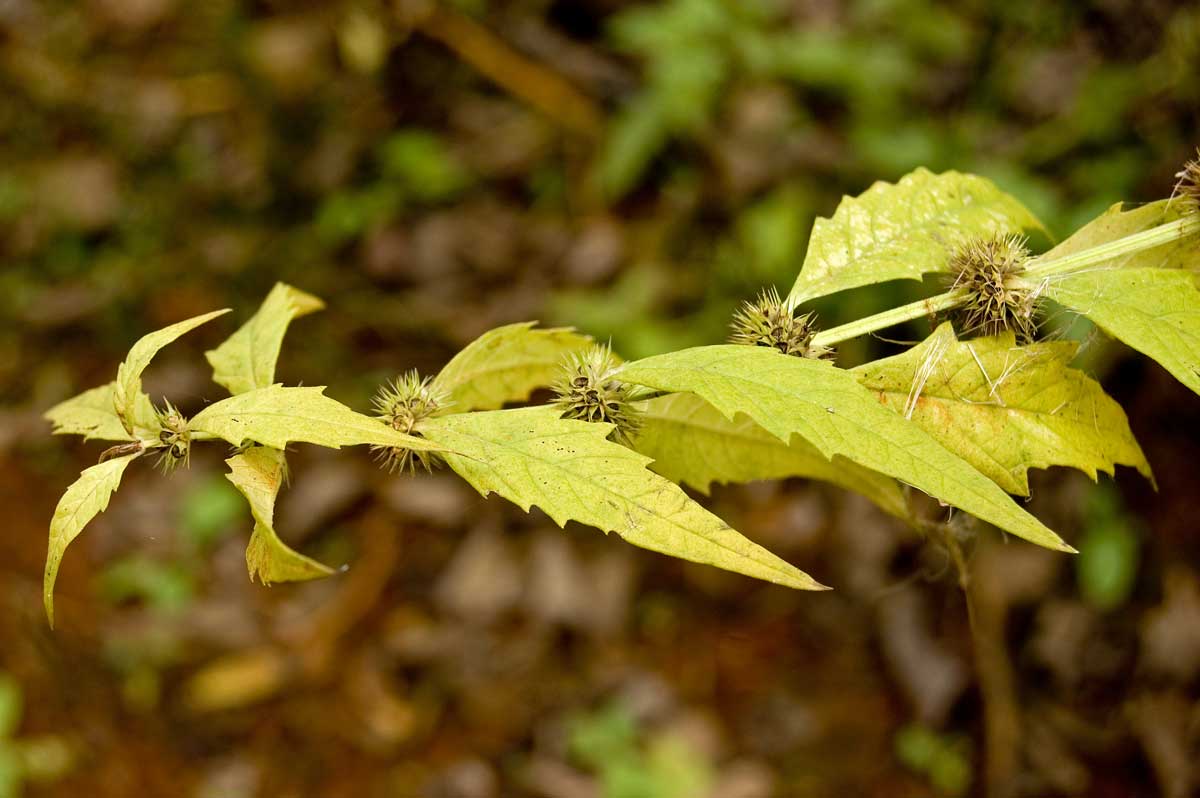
(633,169)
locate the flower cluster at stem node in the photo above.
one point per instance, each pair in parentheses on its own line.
(990,270)
(587,391)
(175,438)
(767,321)
(402,404)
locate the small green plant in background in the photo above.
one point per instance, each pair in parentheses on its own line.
(1109,551)
(943,759)
(25,760)
(410,167)
(962,416)
(629,762)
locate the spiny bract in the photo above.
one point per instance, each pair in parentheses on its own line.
(402,404)
(990,271)
(587,391)
(768,322)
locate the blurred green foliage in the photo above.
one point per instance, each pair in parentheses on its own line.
(34,759)
(1109,551)
(944,759)
(631,763)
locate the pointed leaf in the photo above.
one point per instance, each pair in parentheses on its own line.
(258,474)
(1118,222)
(83,501)
(827,407)
(1155,311)
(246,360)
(1006,408)
(129,373)
(692,443)
(902,231)
(568,468)
(506,365)
(93,415)
(275,416)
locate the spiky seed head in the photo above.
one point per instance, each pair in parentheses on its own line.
(402,404)
(587,390)
(1188,187)
(767,321)
(175,437)
(990,270)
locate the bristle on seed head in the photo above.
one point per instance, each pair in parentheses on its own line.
(1188,186)
(587,391)
(767,321)
(402,404)
(998,297)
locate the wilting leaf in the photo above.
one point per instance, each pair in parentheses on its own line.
(1006,408)
(692,443)
(827,407)
(83,501)
(530,456)
(506,365)
(93,415)
(275,416)
(1155,311)
(1117,222)
(902,231)
(258,473)
(129,373)
(246,360)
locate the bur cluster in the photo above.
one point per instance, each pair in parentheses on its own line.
(990,271)
(767,321)
(402,404)
(587,390)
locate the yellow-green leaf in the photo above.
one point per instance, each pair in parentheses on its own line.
(83,501)
(903,230)
(828,407)
(275,416)
(506,365)
(258,474)
(1006,408)
(1155,311)
(246,360)
(129,373)
(692,443)
(1118,222)
(568,468)
(93,415)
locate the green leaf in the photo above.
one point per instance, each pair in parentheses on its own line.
(276,416)
(1006,408)
(246,360)
(902,231)
(569,469)
(1117,222)
(829,408)
(1155,311)
(93,415)
(258,473)
(506,365)
(129,373)
(692,443)
(83,501)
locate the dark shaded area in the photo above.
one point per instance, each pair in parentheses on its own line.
(634,170)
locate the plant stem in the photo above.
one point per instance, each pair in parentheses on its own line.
(889,318)
(1038,268)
